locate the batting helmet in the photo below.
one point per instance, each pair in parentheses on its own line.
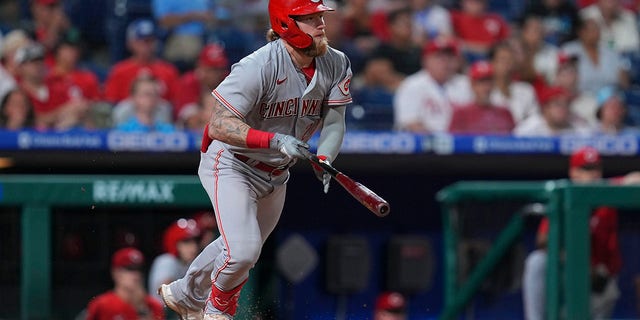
(281,13)
(180,230)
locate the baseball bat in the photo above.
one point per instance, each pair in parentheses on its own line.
(364,195)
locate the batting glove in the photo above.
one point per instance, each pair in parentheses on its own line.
(288,145)
(322,175)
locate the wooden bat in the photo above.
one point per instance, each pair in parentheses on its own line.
(364,195)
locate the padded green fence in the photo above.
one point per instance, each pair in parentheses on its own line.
(568,207)
(37,194)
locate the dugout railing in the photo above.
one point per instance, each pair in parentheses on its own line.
(36,195)
(568,207)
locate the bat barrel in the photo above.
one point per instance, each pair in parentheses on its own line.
(383,209)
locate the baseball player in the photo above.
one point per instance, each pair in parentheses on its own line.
(181,242)
(264,112)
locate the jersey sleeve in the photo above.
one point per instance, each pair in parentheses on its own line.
(340,94)
(241,90)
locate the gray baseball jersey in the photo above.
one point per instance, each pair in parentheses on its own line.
(270,93)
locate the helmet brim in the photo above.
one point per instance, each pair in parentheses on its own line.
(311,8)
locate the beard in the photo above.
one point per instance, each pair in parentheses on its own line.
(317,48)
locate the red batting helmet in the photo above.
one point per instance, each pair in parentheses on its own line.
(180,230)
(281,13)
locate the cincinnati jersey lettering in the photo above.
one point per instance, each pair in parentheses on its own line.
(291,108)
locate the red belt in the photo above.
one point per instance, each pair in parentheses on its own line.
(260,165)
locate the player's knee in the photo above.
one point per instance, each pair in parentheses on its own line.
(246,258)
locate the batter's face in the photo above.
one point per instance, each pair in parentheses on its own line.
(313,25)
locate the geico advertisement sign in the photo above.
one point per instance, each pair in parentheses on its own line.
(120,141)
(154,191)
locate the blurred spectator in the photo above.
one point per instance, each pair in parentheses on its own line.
(206,222)
(373,94)
(559,18)
(67,54)
(16,112)
(399,49)
(477,28)
(539,56)
(555,119)
(57,105)
(632,5)
(181,245)
(618,26)
(612,112)
(142,41)
(144,110)
(517,96)
(11,42)
(481,116)
(390,306)
(598,65)
(430,21)
(48,22)
(424,101)
(212,67)
(128,300)
(583,104)
(357,29)
(186,24)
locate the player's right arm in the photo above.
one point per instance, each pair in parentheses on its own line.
(225,126)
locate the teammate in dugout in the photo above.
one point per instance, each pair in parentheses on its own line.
(271,103)
(585,166)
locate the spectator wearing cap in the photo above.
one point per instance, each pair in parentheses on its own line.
(181,245)
(142,41)
(194,87)
(598,65)
(186,24)
(477,28)
(390,305)
(611,113)
(618,25)
(481,116)
(585,166)
(128,300)
(423,103)
(144,110)
(11,42)
(206,222)
(518,97)
(555,118)
(58,105)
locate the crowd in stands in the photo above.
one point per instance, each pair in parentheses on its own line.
(545,68)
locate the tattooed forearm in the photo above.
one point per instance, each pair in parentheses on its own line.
(226,127)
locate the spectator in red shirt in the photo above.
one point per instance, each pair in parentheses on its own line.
(50,22)
(128,300)
(481,116)
(585,166)
(57,105)
(390,305)
(194,86)
(67,55)
(141,40)
(477,28)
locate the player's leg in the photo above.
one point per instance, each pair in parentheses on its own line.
(533,285)
(252,216)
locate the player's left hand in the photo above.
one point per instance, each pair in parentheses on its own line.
(322,175)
